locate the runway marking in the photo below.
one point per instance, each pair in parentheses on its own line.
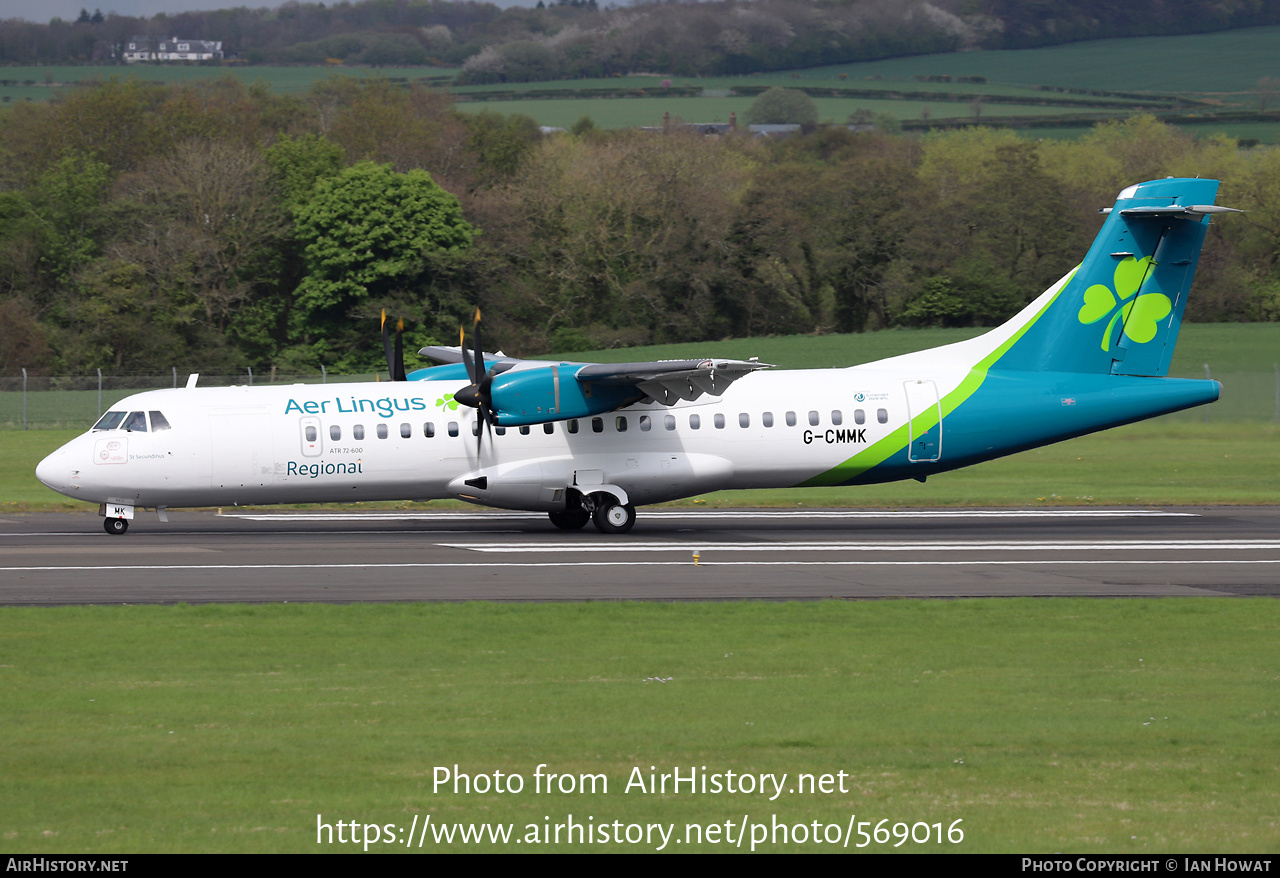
(99,535)
(444,565)
(717,513)
(990,546)
(101,550)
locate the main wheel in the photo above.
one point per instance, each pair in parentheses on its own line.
(613,518)
(570,519)
(115,526)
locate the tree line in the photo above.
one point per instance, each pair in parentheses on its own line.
(217,225)
(579,38)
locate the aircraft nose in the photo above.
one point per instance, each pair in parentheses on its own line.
(52,471)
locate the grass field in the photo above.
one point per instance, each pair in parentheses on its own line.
(1185,64)
(1182,68)
(1226,347)
(1116,726)
(636,112)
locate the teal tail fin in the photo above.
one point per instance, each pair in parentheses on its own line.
(1120,312)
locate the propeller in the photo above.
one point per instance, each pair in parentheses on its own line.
(395,358)
(477,393)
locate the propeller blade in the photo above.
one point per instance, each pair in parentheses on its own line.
(386,346)
(399,374)
(466,356)
(479,356)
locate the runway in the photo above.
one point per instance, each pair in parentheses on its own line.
(201,557)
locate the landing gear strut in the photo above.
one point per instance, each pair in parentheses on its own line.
(115,526)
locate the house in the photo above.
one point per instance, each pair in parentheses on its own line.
(172,49)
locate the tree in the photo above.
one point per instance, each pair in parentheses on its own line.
(370,233)
(782,106)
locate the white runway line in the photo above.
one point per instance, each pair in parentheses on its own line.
(703,514)
(1027,562)
(1064,546)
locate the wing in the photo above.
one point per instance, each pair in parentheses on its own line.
(668,381)
(537,391)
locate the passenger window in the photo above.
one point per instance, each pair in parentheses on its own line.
(882,415)
(499,431)
(428,430)
(791,419)
(744,420)
(719,421)
(524,431)
(382,431)
(453,428)
(310,433)
(357,432)
(548,428)
(597,425)
(620,424)
(405,431)
(859,416)
(136,422)
(813,419)
(573,425)
(837,418)
(158,422)
(646,423)
(335,433)
(767,419)
(475,428)
(695,422)
(109,421)
(669,422)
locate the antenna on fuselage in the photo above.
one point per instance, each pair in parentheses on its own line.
(192,379)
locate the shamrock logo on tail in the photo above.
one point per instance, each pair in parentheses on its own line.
(448,402)
(1139,316)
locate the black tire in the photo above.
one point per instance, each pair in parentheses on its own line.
(570,519)
(614,518)
(115,526)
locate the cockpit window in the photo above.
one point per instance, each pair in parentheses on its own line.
(109,421)
(136,422)
(158,422)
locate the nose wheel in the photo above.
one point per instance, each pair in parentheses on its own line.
(115,526)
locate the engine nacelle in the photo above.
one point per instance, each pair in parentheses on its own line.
(551,393)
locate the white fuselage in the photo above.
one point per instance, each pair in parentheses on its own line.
(402,441)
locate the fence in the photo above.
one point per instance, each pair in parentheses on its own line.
(40,402)
(76,401)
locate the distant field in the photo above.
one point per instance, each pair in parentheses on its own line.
(635,112)
(1169,68)
(1224,62)
(42,83)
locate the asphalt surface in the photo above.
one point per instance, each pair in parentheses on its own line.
(201,557)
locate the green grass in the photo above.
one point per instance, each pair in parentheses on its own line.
(1186,64)
(43,83)
(1117,726)
(636,112)
(1226,347)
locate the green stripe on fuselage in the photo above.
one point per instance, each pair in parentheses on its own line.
(897,441)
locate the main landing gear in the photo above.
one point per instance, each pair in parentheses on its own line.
(115,526)
(614,518)
(608,515)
